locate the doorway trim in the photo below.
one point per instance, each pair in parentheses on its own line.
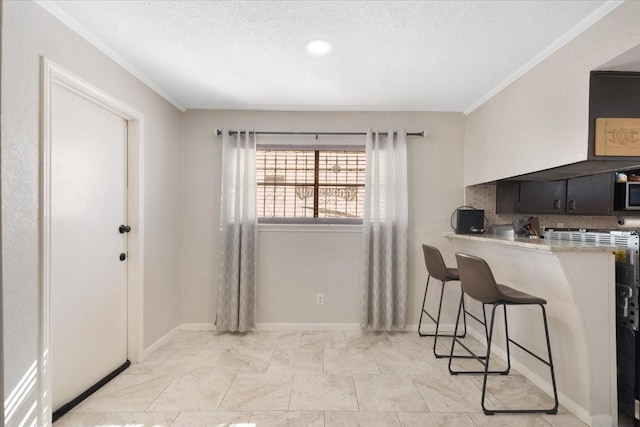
(52,74)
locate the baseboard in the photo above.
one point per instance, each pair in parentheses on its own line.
(159,343)
(307,326)
(544,385)
(197,327)
(339,327)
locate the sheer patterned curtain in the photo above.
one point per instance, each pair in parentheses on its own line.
(385,223)
(238,227)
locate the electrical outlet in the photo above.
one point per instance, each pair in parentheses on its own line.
(319,299)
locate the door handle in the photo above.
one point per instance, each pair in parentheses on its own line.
(124,229)
(123,256)
(556,204)
(572,204)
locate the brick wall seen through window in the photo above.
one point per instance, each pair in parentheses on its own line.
(323,184)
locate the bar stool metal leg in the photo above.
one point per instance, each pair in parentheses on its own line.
(436,320)
(553,410)
(437,334)
(548,362)
(424,301)
(484,360)
(464,334)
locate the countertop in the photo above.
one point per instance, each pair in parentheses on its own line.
(542,245)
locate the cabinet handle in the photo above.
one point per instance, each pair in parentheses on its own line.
(556,204)
(572,204)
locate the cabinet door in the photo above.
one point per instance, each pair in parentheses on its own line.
(507,197)
(590,195)
(543,197)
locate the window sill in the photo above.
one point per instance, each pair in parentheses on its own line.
(311,228)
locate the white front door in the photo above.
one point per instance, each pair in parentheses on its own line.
(88,278)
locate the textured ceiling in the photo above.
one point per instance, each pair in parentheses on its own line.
(387,55)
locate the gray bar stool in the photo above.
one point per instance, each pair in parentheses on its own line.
(478,282)
(437,269)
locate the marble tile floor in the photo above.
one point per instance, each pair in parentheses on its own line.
(303,378)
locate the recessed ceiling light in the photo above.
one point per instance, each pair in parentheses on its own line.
(318,47)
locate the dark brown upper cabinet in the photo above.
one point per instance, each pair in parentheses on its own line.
(612,94)
(590,195)
(507,197)
(543,197)
(586,195)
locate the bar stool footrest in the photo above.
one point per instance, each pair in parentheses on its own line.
(422,334)
(520,411)
(480,359)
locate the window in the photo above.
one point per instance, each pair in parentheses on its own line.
(310,185)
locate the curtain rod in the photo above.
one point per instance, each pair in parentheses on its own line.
(261,132)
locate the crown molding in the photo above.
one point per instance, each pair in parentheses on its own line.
(587,22)
(74,25)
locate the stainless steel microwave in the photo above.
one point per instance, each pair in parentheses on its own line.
(632,196)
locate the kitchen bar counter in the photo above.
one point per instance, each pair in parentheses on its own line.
(578,281)
(537,244)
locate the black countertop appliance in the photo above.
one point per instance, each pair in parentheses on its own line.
(470,221)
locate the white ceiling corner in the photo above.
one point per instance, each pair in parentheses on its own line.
(387,55)
(85,33)
(591,19)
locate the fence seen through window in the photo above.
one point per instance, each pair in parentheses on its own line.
(310,183)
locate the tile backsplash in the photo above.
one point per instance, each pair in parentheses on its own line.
(483,196)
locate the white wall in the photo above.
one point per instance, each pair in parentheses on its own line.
(294,266)
(28,32)
(541,120)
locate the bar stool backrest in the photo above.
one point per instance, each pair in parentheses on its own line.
(477,279)
(435,264)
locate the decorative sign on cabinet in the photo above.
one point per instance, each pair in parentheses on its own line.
(617,137)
